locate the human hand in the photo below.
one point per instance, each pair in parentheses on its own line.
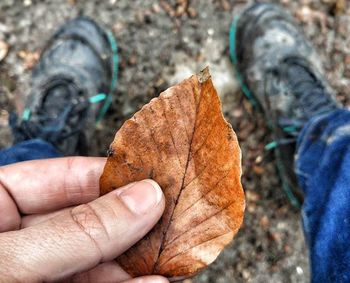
(45,236)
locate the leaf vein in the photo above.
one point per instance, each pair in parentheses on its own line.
(183,178)
(202,195)
(170,133)
(203,170)
(184,114)
(186,250)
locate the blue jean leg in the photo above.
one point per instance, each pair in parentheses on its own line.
(323,168)
(28,150)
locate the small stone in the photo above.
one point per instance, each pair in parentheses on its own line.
(27,3)
(237,113)
(258,159)
(252,208)
(252,196)
(192,12)
(246,274)
(264,222)
(300,271)
(347,60)
(118,27)
(156,8)
(210,32)
(225,5)
(258,170)
(132,60)
(287,249)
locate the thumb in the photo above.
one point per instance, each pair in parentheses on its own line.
(78,239)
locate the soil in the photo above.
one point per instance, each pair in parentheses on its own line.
(162,42)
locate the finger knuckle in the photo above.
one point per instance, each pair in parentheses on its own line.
(90,223)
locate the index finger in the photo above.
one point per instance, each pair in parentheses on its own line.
(45,185)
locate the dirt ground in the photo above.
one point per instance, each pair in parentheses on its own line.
(162,42)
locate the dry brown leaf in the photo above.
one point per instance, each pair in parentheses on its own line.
(29,58)
(340,7)
(308,15)
(4,48)
(182,141)
(167,8)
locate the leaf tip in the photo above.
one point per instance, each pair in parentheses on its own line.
(204,75)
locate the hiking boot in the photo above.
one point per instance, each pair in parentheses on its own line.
(71,87)
(280,71)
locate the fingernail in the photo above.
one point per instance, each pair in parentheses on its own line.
(142,196)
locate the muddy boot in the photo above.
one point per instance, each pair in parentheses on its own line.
(280,72)
(71,87)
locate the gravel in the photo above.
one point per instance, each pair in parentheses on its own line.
(160,43)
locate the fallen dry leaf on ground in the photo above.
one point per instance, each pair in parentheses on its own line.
(308,16)
(340,7)
(4,48)
(29,58)
(182,141)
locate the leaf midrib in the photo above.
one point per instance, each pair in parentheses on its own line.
(161,248)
